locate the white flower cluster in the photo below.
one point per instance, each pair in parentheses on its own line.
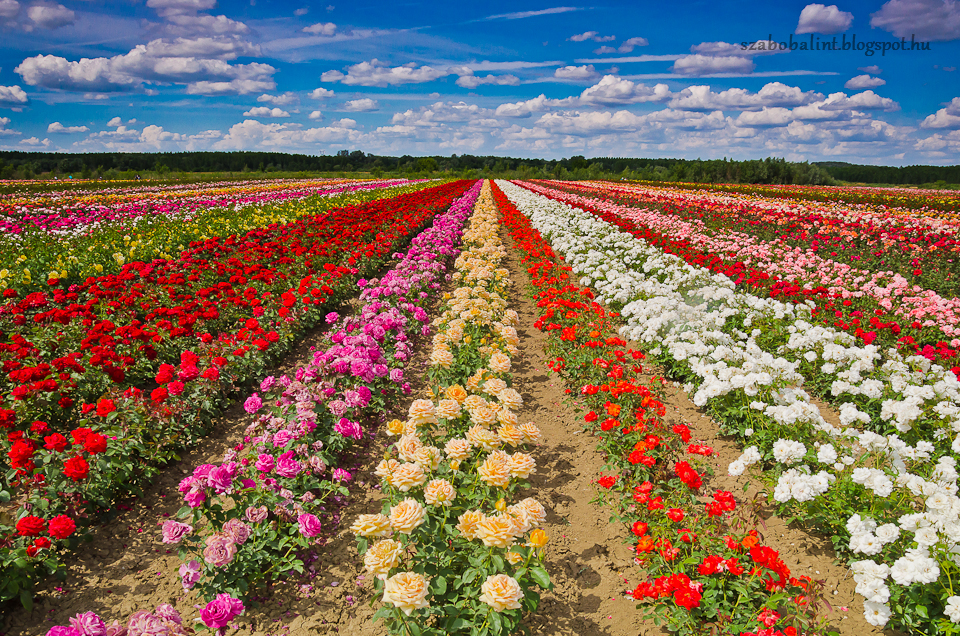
(684,312)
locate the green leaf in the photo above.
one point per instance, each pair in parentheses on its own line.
(440,584)
(383,612)
(541,577)
(26,598)
(496,623)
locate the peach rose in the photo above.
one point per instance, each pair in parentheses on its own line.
(495,469)
(457,448)
(408,476)
(497,531)
(406,516)
(406,590)
(385,470)
(499,363)
(439,492)
(483,415)
(483,438)
(382,556)
(511,435)
(494,386)
(531,432)
(422,412)
(533,510)
(473,401)
(521,465)
(506,417)
(441,357)
(407,446)
(428,457)
(501,592)
(468,523)
(510,399)
(448,409)
(371,526)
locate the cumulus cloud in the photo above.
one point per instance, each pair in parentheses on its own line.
(614,90)
(591,35)
(819,18)
(528,107)
(628,45)
(771,95)
(361,105)
(442,113)
(863,81)
(321,93)
(873,69)
(264,111)
(157,61)
(576,72)
(4,131)
(376,73)
(35,142)
(929,20)
(57,127)
(709,65)
(315,115)
(9,9)
(283,99)
(50,15)
(948,117)
(472,81)
(12,95)
(174,7)
(253,134)
(325,29)
(867,100)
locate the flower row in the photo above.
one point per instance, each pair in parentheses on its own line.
(450,553)
(123,437)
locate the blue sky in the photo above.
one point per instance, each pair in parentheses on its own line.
(507,78)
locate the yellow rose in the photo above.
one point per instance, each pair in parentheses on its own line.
(406,516)
(448,409)
(521,465)
(456,392)
(395,427)
(382,556)
(538,538)
(371,526)
(407,591)
(501,592)
(495,469)
(457,448)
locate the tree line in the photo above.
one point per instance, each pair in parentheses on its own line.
(29,165)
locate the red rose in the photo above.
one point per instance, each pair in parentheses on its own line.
(640,528)
(76,468)
(95,443)
(20,453)
(30,526)
(80,434)
(86,408)
(158,395)
(675,514)
(55,442)
(62,527)
(32,551)
(42,542)
(166,373)
(175,388)
(39,427)
(105,408)
(212,373)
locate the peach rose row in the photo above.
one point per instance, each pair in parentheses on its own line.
(474,422)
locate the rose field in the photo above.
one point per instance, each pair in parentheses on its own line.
(479,407)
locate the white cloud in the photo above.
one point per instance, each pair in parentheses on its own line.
(57,127)
(628,45)
(361,105)
(220,47)
(233,87)
(253,134)
(591,35)
(116,121)
(472,81)
(519,15)
(725,49)
(172,7)
(321,93)
(34,142)
(576,72)
(948,117)
(264,111)
(9,9)
(873,69)
(863,81)
(773,94)
(603,50)
(315,115)
(4,131)
(536,105)
(326,29)
(301,12)
(614,90)
(928,20)
(12,95)
(154,135)
(708,65)
(375,73)
(157,61)
(818,18)
(283,99)
(442,113)
(50,16)
(867,100)
(204,25)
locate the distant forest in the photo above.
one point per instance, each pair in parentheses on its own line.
(30,165)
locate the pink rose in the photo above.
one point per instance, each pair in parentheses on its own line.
(287,466)
(220,550)
(256,514)
(252,404)
(309,525)
(89,624)
(220,611)
(237,530)
(195,498)
(174,531)
(282,438)
(190,574)
(264,463)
